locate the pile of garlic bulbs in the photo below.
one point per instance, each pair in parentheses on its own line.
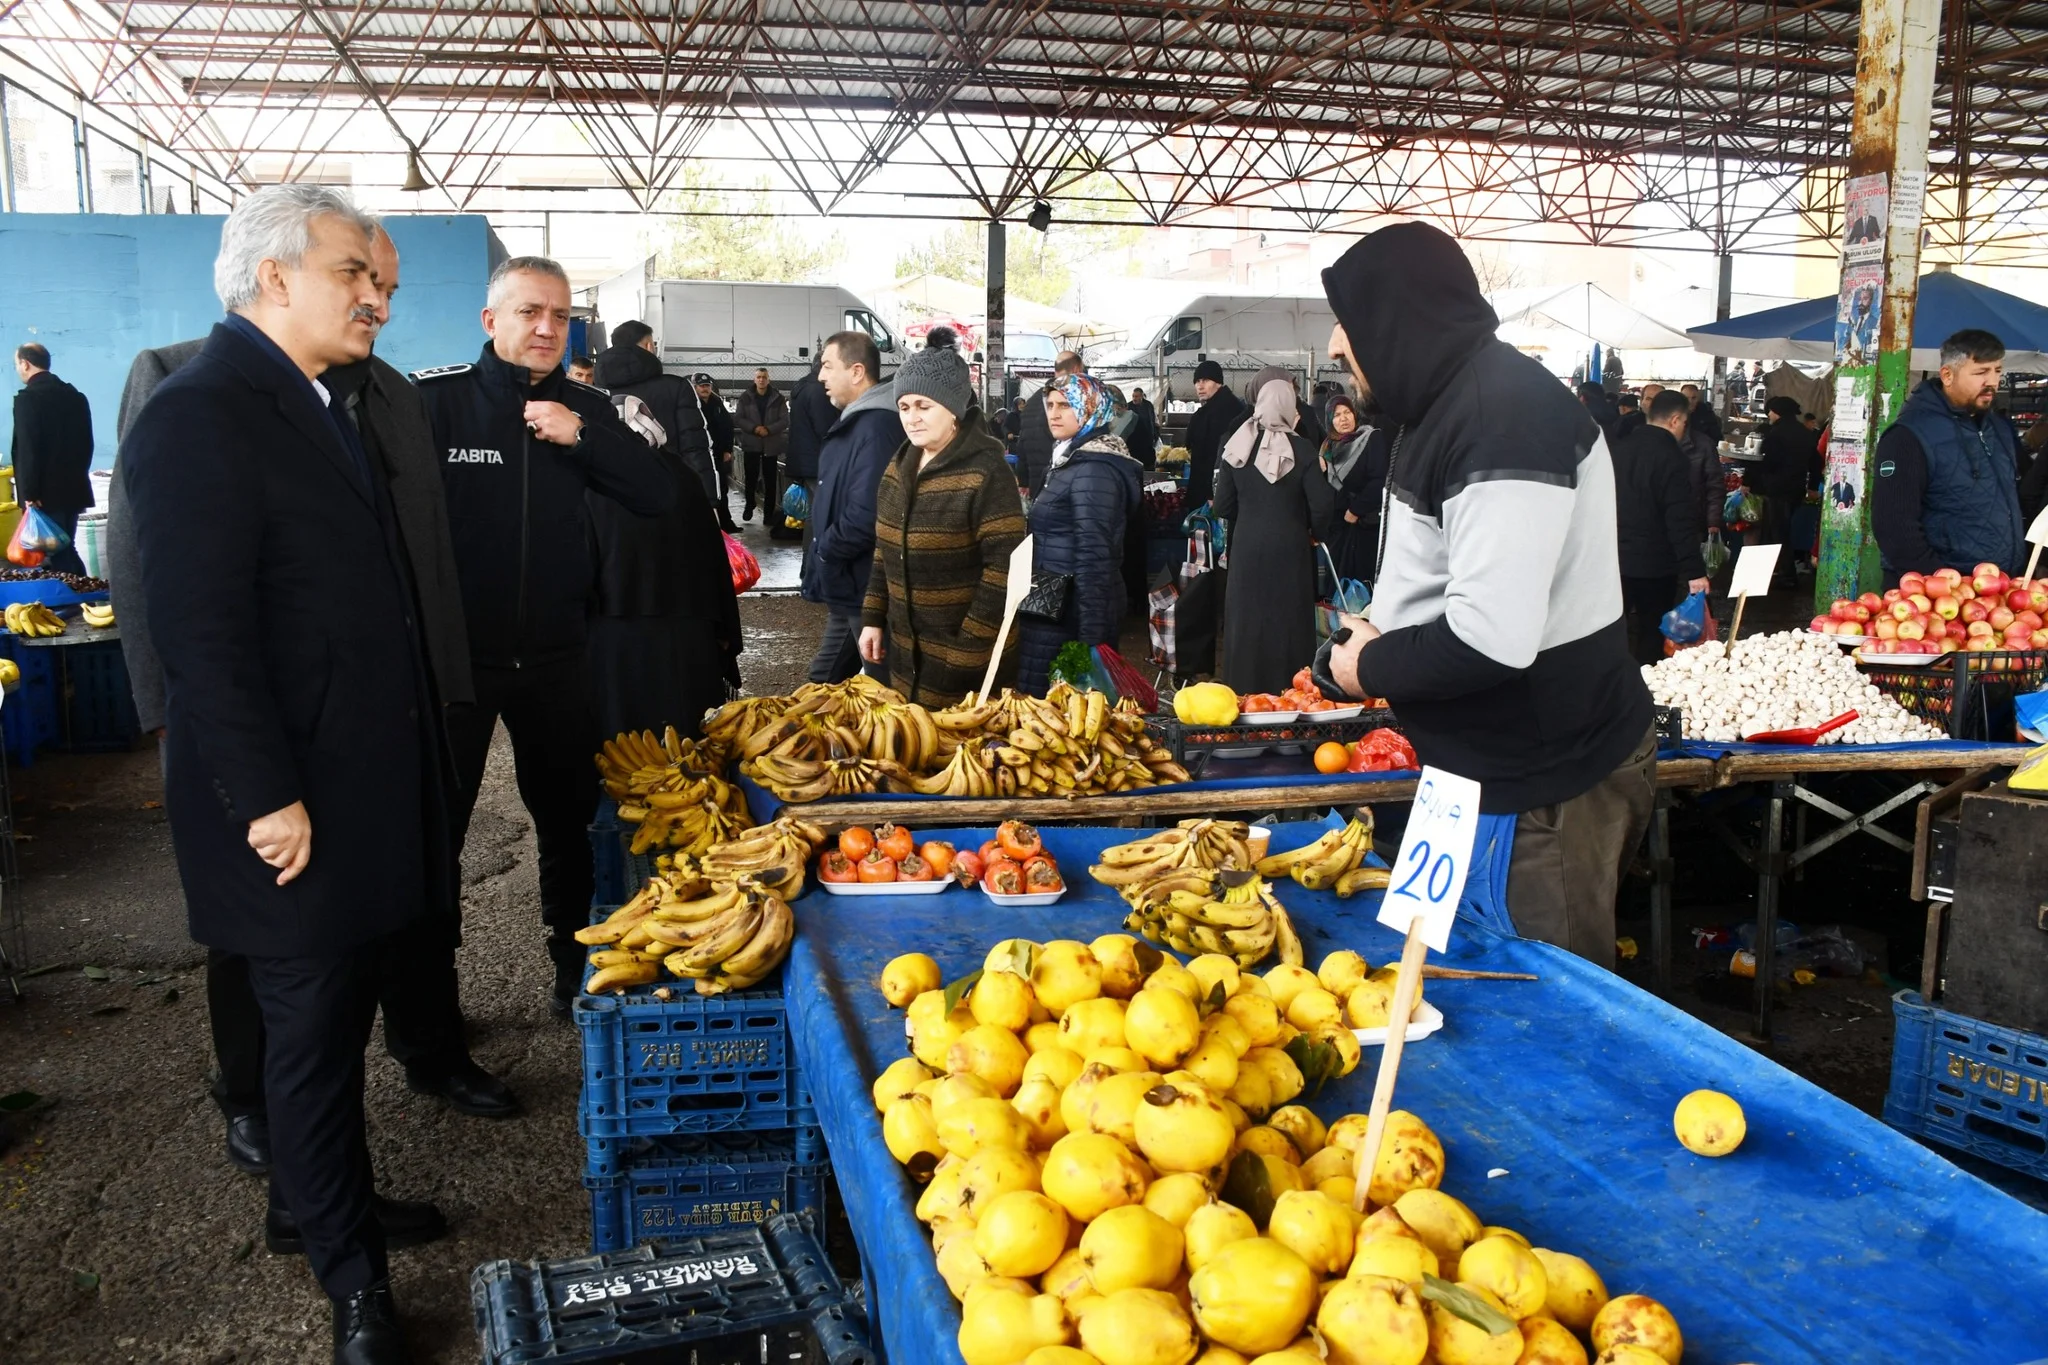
(1778,682)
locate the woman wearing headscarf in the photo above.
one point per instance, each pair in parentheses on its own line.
(1355,456)
(1078,522)
(946,519)
(1278,501)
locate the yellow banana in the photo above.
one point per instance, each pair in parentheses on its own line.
(1363,879)
(621,976)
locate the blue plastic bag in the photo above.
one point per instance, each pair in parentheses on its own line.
(796,503)
(40,532)
(1685,623)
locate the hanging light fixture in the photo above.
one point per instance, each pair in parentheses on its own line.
(1041,216)
(415,179)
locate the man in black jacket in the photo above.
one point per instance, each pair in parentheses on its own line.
(1142,439)
(1496,628)
(718,421)
(1658,524)
(629,365)
(300,703)
(1780,479)
(1222,412)
(866,432)
(52,450)
(1034,437)
(524,443)
(811,415)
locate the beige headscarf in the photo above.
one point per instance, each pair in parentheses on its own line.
(1268,434)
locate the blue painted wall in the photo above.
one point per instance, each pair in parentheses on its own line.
(97,288)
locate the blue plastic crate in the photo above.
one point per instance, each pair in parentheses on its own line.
(1970,1085)
(735,1297)
(689,1064)
(101,705)
(28,716)
(680,1198)
(608,1158)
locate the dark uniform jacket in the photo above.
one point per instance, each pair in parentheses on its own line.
(293,667)
(515,503)
(52,444)
(811,415)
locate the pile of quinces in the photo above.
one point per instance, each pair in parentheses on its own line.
(1113,1173)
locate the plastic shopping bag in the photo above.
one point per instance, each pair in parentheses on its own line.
(1713,553)
(796,504)
(39,532)
(746,570)
(1744,506)
(1686,623)
(17,552)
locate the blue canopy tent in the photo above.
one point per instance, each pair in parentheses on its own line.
(1948,304)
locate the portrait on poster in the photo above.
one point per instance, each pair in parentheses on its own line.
(1865,212)
(1856,315)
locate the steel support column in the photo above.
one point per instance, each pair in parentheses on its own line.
(1724,300)
(1880,275)
(992,330)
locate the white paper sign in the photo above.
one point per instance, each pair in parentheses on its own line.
(2037,534)
(1436,853)
(1014,592)
(1752,576)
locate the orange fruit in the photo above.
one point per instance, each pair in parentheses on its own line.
(1332,757)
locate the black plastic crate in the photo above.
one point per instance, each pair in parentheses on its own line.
(744,1296)
(101,705)
(1968,693)
(1190,743)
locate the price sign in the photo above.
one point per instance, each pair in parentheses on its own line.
(1752,576)
(2037,534)
(1436,853)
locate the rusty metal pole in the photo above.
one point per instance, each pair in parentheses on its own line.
(992,330)
(1880,276)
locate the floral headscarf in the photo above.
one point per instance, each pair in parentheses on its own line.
(1092,404)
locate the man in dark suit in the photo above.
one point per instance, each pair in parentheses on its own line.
(52,449)
(299,699)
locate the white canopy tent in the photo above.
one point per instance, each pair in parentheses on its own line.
(1586,310)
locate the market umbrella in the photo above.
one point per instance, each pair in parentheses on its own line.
(1948,304)
(1589,311)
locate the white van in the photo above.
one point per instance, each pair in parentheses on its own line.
(729,329)
(1242,333)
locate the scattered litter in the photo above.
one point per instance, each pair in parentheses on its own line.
(1496,1173)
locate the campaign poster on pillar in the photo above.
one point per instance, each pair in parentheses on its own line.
(1842,485)
(1866,208)
(1856,315)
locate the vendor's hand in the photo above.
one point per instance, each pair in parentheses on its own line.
(1351,516)
(760,431)
(871,644)
(1338,662)
(284,839)
(553,423)
(1698,585)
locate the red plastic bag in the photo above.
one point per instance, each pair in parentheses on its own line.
(18,553)
(1383,751)
(746,570)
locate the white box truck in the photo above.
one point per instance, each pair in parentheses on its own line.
(730,329)
(1242,333)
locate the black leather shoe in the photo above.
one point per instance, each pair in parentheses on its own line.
(469,1089)
(747,513)
(366,1329)
(249,1144)
(406,1223)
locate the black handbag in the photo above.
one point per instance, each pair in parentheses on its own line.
(1047,600)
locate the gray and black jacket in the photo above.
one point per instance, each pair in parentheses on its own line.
(1504,654)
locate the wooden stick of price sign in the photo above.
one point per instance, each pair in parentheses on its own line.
(1421,901)
(1751,578)
(2036,534)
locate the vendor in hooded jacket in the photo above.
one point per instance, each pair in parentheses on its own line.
(1496,630)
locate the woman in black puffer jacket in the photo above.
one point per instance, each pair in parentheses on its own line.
(1077,527)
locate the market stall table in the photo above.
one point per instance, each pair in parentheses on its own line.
(1827,1238)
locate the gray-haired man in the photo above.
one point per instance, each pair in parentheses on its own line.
(523,443)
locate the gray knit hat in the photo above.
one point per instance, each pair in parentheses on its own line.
(939,373)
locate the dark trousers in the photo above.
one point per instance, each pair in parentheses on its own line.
(237,1035)
(724,507)
(1568,858)
(1644,602)
(316,1022)
(1773,529)
(760,486)
(547,711)
(838,657)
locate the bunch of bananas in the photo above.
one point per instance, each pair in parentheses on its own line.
(1237,915)
(841,773)
(902,733)
(1070,743)
(32,619)
(729,726)
(1192,846)
(98,615)
(724,938)
(773,856)
(1334,862)
(663,788)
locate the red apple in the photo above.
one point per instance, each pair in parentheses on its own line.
(1937,628)
(1990,583)
(2018,635)
(1912,630)
(1841,608)
(2037,596)
(1980,630)
(1921,601)
(1911,583)
(2016,598)
(1947,607)
(1974,610)
(2038,640)
(2001,617)
(1887,628)
(1892,595)
(2033,618)
(1951,645)
(1981,643)
(1870,600)
(1985,569)
(1962,592)
(1858,612)
(1903,611)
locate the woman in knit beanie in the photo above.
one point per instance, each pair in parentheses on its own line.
(946,519)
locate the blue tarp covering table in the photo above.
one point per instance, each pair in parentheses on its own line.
(1827,1238)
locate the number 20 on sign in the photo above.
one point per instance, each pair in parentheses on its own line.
(1436,854)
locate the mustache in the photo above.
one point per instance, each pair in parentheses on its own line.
(362,313)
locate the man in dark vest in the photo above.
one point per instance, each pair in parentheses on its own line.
(1947,487)
(52,449)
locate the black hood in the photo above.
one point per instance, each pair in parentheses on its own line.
(623,365)
(1411,306)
